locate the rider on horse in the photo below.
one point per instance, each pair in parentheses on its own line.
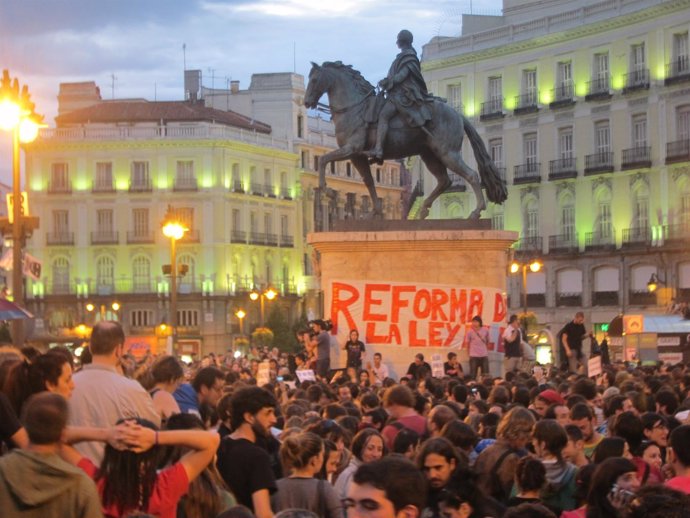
(406,93)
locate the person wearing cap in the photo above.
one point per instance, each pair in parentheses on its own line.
(545,399)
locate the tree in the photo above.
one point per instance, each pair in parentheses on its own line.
(284,337)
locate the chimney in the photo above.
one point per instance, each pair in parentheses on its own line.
(234,87)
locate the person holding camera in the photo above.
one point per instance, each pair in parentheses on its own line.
(323,348)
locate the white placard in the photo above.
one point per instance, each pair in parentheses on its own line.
(437,366)
(594,366)
(305,375)
(263,377)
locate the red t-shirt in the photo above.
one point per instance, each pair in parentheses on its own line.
(680,483)
(413,422)
(171,485)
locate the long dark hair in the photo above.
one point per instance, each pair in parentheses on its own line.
(25,379)
(129,477)
(605,476)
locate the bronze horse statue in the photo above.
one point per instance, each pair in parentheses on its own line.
(350,97)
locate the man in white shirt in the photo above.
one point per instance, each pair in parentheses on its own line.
(102,395)
(378,372)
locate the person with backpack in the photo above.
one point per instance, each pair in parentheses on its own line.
(399,402)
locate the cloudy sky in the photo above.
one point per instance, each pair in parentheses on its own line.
(139,43)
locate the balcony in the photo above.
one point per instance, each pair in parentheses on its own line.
(678,151)
(636,237)
(285,193)
(597,241)
(191,236)
(526,103)
(527,173)
(185,185)
(140,238)
(636,80)
(562,168)
(238,187)
(598,89)
(564,244)
(103,187)
(141,185)
(59,188)
(563,96)
(238,236)
(529,244)
(287,241)
(492,109)
(636,158)
(536,300)
(257,189)
(641,298)
(677,71)
(570,300)
(107,237)
(59,238)
(598,163)
(604,298)
(261,238)
(677,233)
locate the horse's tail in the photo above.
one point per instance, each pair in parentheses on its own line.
(495,186)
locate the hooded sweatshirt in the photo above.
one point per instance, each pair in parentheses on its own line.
(42,485)
(559,493)
(187,399)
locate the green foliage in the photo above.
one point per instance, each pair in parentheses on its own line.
(284,337)
(262,336)
(527,320)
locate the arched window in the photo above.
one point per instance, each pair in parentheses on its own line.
(603,227)
(530,219)
(61,274)
(141,274)
(640,210)
(569,287)
(105,275)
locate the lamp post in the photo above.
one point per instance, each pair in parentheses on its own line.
(102,311)
(17,115)
(173,229)
(534,266)
(240,314)
(268,293)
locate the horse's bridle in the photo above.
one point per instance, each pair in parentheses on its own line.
(343,110)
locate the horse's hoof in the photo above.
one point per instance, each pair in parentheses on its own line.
(475,214)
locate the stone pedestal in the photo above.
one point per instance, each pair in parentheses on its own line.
(411,287)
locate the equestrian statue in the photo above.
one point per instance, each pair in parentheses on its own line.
(401,120)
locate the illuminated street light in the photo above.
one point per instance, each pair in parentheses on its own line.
(268,293)
(173,229)
(240,314)
(17,115)
(534,266)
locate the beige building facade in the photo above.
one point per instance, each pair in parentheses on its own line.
(586,108)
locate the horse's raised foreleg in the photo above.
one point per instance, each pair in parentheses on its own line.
(438,169)
(361,163)
(343,153)
(454,162)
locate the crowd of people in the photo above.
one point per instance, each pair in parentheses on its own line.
(254,436)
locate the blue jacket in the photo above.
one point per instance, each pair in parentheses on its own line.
(186,398)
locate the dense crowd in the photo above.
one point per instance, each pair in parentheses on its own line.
(277,434)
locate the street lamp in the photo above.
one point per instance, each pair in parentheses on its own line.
(240,314)
(173,229)
(17,115)
(115,306)
(534,266)
(268,293)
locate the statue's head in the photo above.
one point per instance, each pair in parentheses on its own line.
(404,37)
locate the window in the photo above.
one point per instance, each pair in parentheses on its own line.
(531,219)
(140,222)
(316,163)
(565,143)
(236,220)
(602,137)
(568,220)
(684,209)
(300,126)
(564,86)
(348,168)
(683,123)
(284,225)
(641,210)
(495,94)
(140,175)
(105,272)
(60,222)
(104,176)
(104,221)
(141,318)
(600,74)
(529,149)
(141,273)
(268,223)
(454,94)
(496,151)
(185,173)
(638,62)
(253,224)
(61,279)
(529,87)
(604,228)
(680,64)
(639,131)
(188,318)
(268,179)
(304,159)
(59,177)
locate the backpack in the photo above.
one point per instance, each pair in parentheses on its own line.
(496,488)
(399,426)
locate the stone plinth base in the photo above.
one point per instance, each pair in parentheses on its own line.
(411,291)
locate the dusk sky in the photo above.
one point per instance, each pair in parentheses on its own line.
(139,42)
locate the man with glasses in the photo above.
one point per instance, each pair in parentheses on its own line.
(374,493)
(206,389)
